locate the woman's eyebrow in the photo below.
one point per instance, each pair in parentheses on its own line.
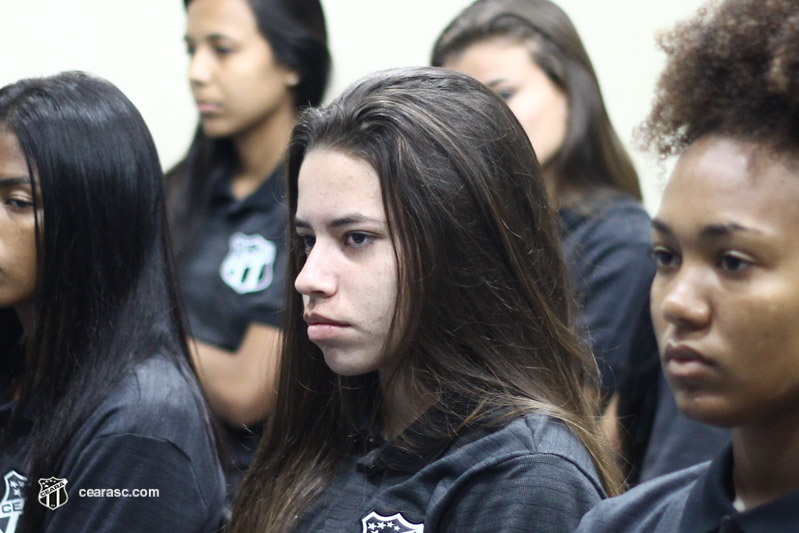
(661,227)
(726,229)
(13,182)
(345,220)
(721,229)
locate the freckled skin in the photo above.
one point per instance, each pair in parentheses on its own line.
(732,297)
(350,273)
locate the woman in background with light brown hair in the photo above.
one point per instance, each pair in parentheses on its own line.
(529,52)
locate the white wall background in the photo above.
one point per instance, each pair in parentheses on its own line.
(138,45)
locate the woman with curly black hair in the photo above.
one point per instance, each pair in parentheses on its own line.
(725,299)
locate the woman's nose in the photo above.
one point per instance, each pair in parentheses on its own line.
(682,300)
(199,68)
(317,276)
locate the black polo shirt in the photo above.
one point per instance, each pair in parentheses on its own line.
(148,434)
(233,274)
(530,475)
(608,256)
(695,500)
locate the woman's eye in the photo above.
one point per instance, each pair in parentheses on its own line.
(307,242)
(359,240)
(506,94)
(733,262)
(19,204)
(664,258)
(223,50)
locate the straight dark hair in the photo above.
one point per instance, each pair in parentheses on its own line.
(483,304)
(592,159)
(105,296)
(297,34)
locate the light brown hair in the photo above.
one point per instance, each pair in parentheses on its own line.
(486,315)
(591,159)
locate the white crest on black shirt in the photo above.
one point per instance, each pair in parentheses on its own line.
(247,267)
(12,503)
(395,523)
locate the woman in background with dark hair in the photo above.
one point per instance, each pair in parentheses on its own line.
(725,299)
(430,377)
(99,391)
(254,63)
(530,53)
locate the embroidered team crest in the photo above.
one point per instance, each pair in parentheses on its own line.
(12,503)
(374,522)
(248,265)
(53,492)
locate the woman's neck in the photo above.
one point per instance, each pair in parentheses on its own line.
(260,149)
(765,461)
(400,405)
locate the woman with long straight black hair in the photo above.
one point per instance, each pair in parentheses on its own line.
(253,65)
(104,427)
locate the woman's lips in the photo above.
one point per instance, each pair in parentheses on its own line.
(321,328)
(682,362)
(207,108)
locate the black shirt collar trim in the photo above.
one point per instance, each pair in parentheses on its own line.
(419,445)
(270,192)
(709,505)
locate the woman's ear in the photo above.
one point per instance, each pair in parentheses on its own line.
(292,78)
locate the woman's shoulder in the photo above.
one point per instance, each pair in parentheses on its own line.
(531,472)
(654,506)
(535,439)
(154,399)
(616,218)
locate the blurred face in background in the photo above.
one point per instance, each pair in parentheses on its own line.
(507,67)
(725,299)
(235,78)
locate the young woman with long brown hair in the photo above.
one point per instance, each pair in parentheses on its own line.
(430,375)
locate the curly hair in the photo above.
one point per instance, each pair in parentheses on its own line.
(732,70)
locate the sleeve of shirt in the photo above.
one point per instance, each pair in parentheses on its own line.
(132,462)
(544,493)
